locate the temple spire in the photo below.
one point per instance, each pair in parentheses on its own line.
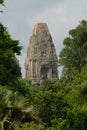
(41,60)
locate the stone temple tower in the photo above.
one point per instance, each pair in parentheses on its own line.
(41,60)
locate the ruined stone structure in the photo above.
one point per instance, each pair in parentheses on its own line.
(41,60)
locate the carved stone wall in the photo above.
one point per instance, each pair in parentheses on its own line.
(41,60)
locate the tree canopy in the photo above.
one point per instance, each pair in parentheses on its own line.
(74,53)
(1,1)
(9,48)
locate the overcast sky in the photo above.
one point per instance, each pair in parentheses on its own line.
(19,17)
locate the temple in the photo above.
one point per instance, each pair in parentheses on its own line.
(41,62)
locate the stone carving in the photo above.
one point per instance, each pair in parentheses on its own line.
(41,60)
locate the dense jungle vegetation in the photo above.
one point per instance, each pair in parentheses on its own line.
(55,105)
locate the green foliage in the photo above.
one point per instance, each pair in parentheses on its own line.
(77,89)
(32,126)
(74,53)
(9,67)
(50,102)
(26,88)
(1,1)
(14,108)
(59,105)
(77,118)
(77,99)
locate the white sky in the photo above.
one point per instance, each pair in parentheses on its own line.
(19,17)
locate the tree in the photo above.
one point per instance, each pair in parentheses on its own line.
(32,126)
(9,66)
(14,110)
(50,102)
(1,1)
(76,97)
(74,53)
(26,88)
(9,48)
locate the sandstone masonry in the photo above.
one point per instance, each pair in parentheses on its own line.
(41,60)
